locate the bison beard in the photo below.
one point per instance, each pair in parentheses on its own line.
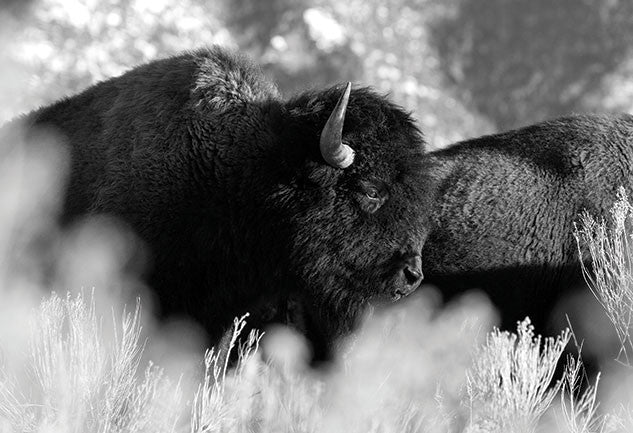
(246,199)
(503,220)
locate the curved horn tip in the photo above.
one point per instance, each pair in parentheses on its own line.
(348,90)
(344,99)
(341,104)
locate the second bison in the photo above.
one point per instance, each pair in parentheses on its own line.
(506,207)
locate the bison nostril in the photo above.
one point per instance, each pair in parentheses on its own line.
(413,276)
(410,277)
(412,270)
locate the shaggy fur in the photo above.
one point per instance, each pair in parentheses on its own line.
(224,181)
(507,203)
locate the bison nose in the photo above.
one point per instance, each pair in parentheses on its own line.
(412,273)
(413,270)
(414,276)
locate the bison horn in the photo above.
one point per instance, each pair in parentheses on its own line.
(334,151)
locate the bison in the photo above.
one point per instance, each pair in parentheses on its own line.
(506,205)
(243,197)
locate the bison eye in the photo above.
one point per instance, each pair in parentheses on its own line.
(373,196)
(372,193)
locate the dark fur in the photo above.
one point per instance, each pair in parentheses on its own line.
(507,203)
(224,181)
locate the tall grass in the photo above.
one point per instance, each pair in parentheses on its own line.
(406,371)
(610,277)
(510,386)
(606,247)
(579,408)
(78,381)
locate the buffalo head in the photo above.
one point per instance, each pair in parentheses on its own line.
(353,201)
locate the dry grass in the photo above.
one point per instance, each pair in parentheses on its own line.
(406,371)
(579,407)
(510,384)
(79,382)
(610,276)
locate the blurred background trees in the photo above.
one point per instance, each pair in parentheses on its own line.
(464,67)
(519,61)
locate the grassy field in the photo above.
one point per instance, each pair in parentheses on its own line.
(93,360)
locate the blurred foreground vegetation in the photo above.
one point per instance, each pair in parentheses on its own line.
(405,373)
(465,67)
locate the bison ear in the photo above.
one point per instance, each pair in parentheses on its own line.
(319,175)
